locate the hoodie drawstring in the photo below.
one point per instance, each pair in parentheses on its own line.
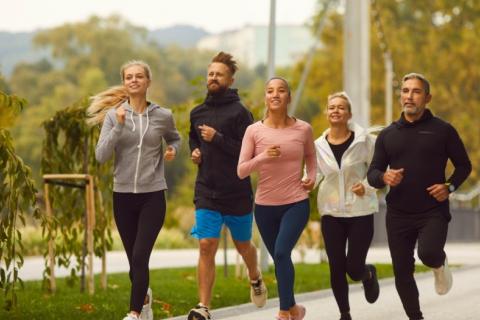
(134,127)
(133,122)
(144,132)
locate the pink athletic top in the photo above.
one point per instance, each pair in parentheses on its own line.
(279,178)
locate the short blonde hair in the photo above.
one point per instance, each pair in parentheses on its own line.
(143,64)
(344,96)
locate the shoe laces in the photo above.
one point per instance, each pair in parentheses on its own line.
(257,287)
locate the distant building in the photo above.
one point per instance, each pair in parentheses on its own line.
(250,44)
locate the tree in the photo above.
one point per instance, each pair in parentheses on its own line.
(4,87)
(439,39)
(17,197)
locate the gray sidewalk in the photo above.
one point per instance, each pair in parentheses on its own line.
(461,303)
(458,253)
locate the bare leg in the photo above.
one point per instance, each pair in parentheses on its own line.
(249,254)
(206,269)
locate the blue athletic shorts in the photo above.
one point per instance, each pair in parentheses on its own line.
(208,224)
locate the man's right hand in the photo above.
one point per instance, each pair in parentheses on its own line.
(196,156)
(393,177)
(120,113)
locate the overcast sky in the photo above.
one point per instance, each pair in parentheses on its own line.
(211,15)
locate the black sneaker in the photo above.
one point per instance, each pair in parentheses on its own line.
(345,316)
(370,286)
(200,312)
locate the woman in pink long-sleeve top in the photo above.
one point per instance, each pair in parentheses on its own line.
(277,148)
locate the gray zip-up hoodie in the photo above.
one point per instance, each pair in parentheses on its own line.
(137,144)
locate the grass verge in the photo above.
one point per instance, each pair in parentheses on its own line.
(174,290)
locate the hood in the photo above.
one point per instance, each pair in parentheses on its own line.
(229,96)
(151,106)
(360,132)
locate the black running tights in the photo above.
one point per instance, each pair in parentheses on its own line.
(139,218)
(346,241)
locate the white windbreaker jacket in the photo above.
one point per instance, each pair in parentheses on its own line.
(335,197)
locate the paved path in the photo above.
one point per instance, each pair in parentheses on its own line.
(458,253)
(461,303)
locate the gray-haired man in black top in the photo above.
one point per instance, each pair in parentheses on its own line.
(411,156)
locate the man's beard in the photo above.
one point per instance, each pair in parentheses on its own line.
(411,110)
(218,90)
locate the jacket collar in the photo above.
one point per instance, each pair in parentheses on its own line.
(150,106)
(227,97)
(402,122)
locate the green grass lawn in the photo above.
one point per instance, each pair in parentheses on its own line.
(174,291)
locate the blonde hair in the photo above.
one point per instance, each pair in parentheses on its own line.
(140,63)
(112,97)
(344,96)
(104,101)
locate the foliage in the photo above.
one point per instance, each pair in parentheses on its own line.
(174,291)
(87,59)
(439,39)
(10,107)
(3,84)
(69,147)
(17,197)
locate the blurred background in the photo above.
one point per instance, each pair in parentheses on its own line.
(56,54)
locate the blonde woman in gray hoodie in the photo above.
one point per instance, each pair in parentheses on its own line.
(345,201)
(134,130)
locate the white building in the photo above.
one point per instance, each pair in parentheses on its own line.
(249,45)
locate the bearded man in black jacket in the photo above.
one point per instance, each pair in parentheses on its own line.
(411,156)
(217,127)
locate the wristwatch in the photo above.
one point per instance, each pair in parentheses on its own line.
(450,186)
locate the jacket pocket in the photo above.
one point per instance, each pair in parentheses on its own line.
(146,171)
(124,172)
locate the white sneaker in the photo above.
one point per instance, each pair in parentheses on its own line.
(130,317)
(258,292)
(200,312)
(147,312)
(443,278)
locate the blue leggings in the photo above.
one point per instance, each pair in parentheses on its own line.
(280,228)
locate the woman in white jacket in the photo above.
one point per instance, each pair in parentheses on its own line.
(345,201)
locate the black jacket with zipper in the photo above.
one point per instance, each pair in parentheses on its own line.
(217,186)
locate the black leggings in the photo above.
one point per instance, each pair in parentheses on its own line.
(429,232)
(358,232)
(139,218)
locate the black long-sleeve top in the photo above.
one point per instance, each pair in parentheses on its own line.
(422,148)
(217,178)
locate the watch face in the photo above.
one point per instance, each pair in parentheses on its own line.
(451,188)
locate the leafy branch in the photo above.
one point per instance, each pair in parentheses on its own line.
(69,147)
(17,197)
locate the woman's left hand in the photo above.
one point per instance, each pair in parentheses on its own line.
(358,189)
(170,153)
(308,184)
